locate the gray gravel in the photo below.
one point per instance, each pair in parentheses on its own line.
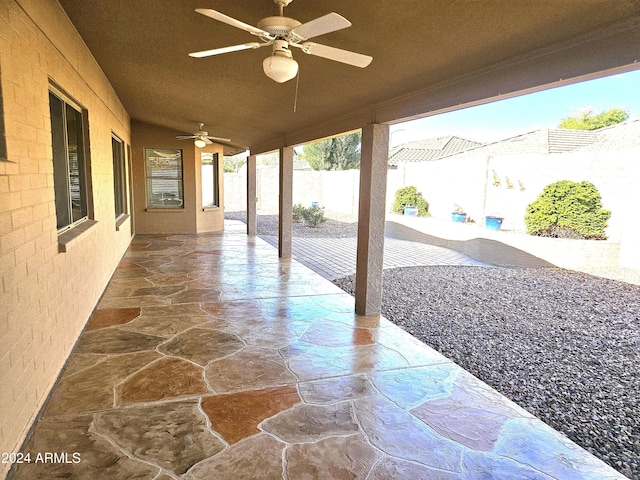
(268,225)
(563,345)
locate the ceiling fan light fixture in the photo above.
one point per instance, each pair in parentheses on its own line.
(280,66)
(200,143)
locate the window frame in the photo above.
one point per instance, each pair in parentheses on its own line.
(62,160)
(215,163)
(119,176)
(150,177)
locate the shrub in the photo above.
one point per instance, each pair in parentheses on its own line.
(297,212)
(313,216)
(410,196)
(567,209)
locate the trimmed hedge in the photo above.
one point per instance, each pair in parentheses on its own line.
(410,196)
(567,209)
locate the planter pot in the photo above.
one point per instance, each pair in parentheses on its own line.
(458,217)
(411,211)
(493,223)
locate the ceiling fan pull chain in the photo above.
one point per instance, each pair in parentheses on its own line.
(295,98)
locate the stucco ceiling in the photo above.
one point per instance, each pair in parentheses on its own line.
(429,55)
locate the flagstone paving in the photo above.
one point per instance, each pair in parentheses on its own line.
(209,357)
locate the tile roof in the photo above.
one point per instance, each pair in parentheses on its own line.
(429,149)
(544,141)
(623,136)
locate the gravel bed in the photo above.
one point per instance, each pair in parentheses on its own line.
(563,345)
(268,225)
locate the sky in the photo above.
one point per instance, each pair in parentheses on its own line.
(507,118)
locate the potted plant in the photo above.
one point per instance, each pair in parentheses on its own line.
(410,202)
(458,215)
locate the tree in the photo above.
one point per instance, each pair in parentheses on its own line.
(586,120)
(234,163)
(337,153)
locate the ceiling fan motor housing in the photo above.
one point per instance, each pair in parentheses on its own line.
(278,26)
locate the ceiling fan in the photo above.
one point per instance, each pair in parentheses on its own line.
(283,32)
(202,137)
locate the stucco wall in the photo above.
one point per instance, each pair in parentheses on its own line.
(470,183)
(335,190)
(46,297)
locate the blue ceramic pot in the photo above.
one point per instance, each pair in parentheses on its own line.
(458,217)
(493,223)
(411,211)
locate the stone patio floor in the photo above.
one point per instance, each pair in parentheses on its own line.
(210,358)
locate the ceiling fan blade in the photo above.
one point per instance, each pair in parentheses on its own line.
(185,137)
(325,24)
(233,48)
(218,139)
(336,54)
(221,17)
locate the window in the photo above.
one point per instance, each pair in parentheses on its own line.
(209,165)
(69,161)
(164,178)
(119,190)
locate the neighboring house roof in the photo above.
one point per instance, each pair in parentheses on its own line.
(430,149)
(544,141)
(622,136)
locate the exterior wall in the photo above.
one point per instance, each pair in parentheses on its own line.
(191,218)
(470,183)
(46,296)
(337,191)
(235,191)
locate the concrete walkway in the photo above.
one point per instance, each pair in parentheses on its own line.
(336,257)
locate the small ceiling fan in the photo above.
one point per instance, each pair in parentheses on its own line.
(202,137)
(283,32)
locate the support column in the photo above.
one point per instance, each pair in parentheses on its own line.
(371,218)
(285,219)
(252,219)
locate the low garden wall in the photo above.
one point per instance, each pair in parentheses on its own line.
(516,249)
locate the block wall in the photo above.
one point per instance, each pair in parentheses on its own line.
(503,185)
(46,296)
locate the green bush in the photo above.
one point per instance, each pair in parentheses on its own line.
(313,216)
(297,212)
(567,209)
(410,196)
